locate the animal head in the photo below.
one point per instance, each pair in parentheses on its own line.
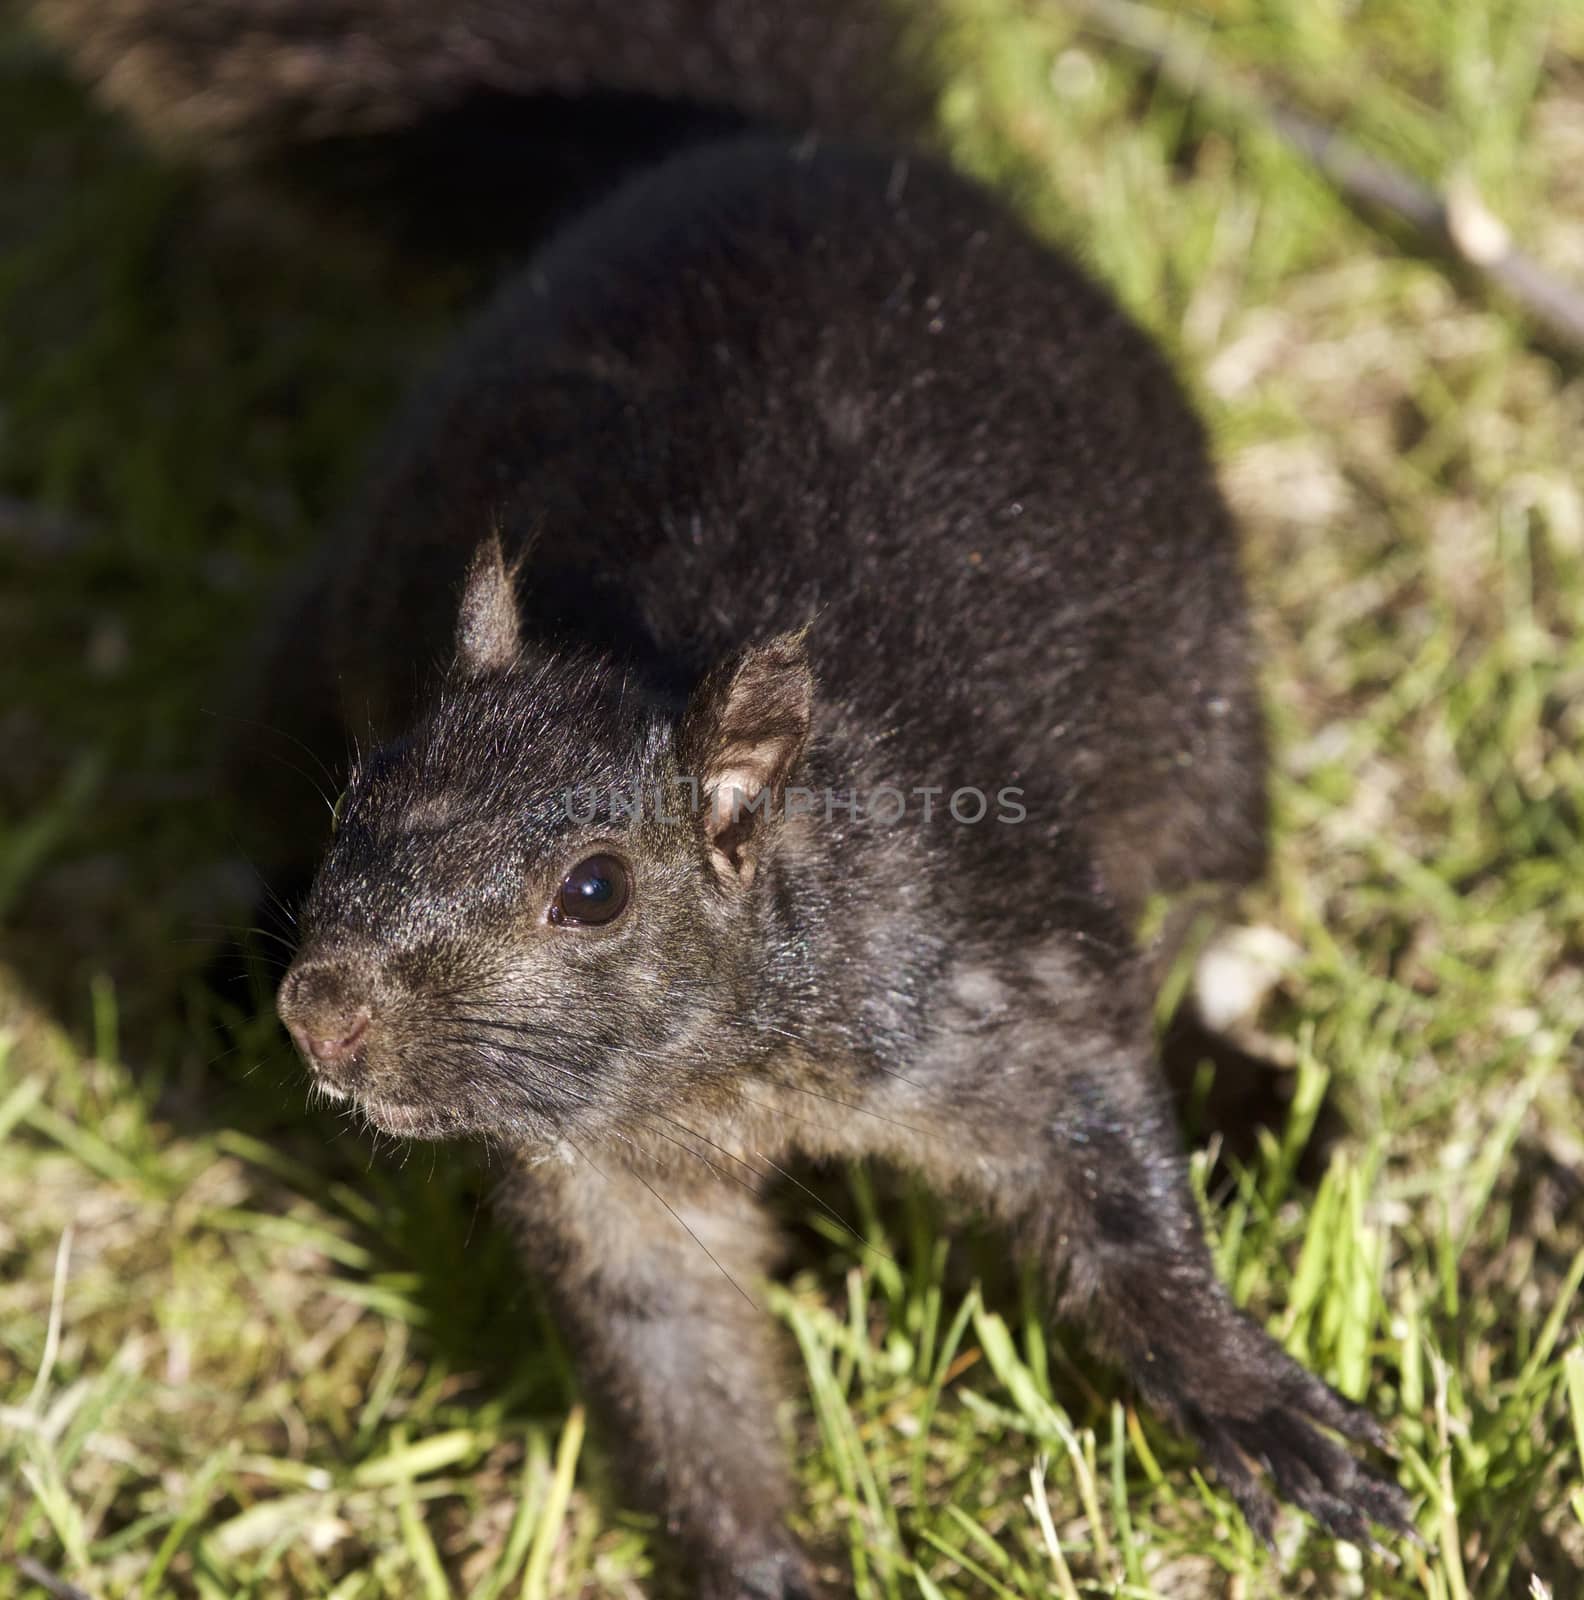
(543,910)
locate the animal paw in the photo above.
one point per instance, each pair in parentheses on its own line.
(1294,1432)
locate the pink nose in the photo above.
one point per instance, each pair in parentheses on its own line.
(342,1046)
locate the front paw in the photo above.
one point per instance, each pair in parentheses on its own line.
(1265,1412)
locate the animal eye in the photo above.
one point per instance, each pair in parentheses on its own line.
(595,891)
(338,811)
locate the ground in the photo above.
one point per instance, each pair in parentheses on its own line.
(243,1355)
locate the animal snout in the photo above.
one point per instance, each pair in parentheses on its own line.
(338,1040)
(324,1015)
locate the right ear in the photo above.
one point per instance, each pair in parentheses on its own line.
(488,638)
(742,734)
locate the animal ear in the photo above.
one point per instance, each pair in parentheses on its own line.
(487,636)
(741,736)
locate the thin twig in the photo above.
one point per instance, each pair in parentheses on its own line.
(48,1581)
(1456,222)
(34,531)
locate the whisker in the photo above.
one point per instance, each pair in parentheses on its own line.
(282,733)
(635,1109)
(828,1208)
(646,1116)
(682,1222)
(850,1105)
(500,1025)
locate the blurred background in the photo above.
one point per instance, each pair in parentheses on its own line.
(244,1354)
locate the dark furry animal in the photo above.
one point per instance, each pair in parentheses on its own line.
(792,481)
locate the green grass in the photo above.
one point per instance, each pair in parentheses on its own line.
(242,1356)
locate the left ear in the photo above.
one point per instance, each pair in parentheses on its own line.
(487,635)
(741,736)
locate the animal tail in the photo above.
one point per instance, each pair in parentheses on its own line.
(490,118)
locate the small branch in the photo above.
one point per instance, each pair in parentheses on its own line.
(46,1580)
(36,532)
(1457,222)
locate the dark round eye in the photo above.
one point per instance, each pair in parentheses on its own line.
(593,892)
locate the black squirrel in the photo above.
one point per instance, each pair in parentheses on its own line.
(842,637)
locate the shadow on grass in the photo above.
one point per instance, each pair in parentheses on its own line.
(189,384)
